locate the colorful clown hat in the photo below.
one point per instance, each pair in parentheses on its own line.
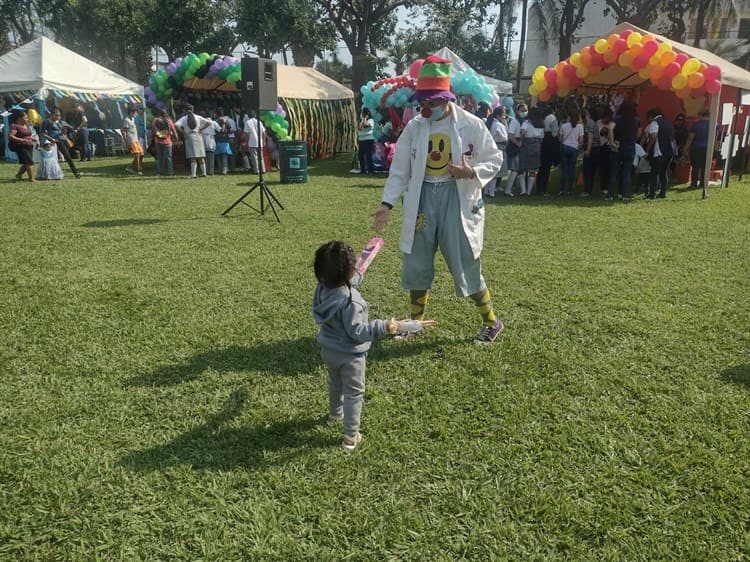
(434,81)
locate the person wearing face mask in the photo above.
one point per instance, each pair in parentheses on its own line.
(366,137)
(443,158)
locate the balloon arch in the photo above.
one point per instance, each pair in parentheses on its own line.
(210,78)
(640,53)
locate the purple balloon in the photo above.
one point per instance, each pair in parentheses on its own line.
(218,65)
(147,91)
(178,61)
(171,67)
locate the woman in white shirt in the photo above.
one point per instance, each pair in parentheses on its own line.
(192,126)
(532,133)
(499,133)
(571,137)
(209,143)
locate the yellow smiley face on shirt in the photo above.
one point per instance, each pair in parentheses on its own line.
(438,154)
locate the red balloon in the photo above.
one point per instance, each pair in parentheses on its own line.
(712,86)
(597,59)
(681,58)
(672,70)
(639,62)
(712,72)
(624,34)
(649,48)
(569,71)
(550,76)
(620,45)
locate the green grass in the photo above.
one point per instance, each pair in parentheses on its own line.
(162,390)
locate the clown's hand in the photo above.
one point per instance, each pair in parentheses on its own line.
(415,326)
(380,215)
(462,172)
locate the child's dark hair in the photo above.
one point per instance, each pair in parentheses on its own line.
(334,263)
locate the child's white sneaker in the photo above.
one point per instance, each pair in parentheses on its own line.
(350,442)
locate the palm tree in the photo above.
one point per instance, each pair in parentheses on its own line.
(707,10)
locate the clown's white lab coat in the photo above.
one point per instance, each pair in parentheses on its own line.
(471,136)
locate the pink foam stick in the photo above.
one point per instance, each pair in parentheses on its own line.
(368,254)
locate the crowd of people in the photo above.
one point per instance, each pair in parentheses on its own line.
(610,143)
(214,141)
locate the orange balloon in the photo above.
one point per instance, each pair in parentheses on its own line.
(683,93)
(610,57)
(667,57)
(696,80)
(625,59)
(594,71)
(656,72)
(644,73)
(635,50)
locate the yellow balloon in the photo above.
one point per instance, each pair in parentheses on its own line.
(575,59)
(601,46)
(691,66)
(582,72)
(34,117)
(634,38)
(679,81)
(539,72)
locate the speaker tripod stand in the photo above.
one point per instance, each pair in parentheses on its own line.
(266,195)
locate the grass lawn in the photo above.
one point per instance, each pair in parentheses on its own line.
(162,392)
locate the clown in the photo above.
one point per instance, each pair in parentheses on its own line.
(443,158)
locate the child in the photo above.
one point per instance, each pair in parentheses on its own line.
(345,334)
(130,134)
(49,165)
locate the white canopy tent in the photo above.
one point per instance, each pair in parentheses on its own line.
(42,65)
(460,65)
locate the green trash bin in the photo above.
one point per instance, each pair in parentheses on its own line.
(293,161)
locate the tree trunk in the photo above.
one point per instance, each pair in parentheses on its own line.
(565,40)
(363,70)
(700,23)
(522,46)
(302,56)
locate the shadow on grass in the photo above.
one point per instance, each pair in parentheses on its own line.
(737,375)
(121,222)
(213,445)
(294,357)
(288,357)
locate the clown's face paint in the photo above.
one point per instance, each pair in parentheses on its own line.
(438,154)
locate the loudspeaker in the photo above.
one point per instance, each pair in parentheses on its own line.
(259,86)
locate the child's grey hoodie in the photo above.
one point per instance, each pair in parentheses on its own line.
(341,314)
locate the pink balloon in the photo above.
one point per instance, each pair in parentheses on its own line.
(712,86)
(681,58)
(672,70)
(625,33)
(414,68)
(620,45)
(713,72)
(649,48)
